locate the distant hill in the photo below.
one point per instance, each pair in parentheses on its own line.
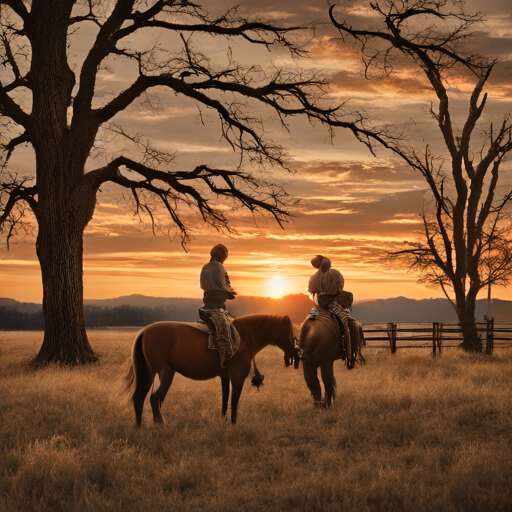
(401,309)
(296,306)
(22,307)
(140,310)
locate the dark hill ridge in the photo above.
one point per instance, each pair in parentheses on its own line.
(22,307)
(399,309)
(296,306)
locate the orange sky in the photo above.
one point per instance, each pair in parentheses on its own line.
(353,207)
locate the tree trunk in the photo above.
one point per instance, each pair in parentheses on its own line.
(466,314)
(60,249)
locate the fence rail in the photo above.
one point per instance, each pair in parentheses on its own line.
(438,335)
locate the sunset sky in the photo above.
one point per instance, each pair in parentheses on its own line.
(353,207)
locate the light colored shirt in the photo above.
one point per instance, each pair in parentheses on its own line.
(214,277)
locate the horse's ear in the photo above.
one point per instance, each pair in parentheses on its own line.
(286,319)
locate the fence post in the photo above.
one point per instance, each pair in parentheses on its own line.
(489,346)
(437,329)
(392,336)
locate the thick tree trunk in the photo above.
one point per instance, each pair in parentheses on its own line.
(59,249)
(64,206)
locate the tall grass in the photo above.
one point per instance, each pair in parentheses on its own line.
(407,433)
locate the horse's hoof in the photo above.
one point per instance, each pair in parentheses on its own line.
(319,404)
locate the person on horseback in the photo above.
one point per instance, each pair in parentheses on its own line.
(320,341)
(327,285)
(214,280)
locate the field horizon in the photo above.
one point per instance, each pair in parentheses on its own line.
(407,432)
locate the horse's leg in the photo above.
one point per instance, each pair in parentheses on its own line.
(329,381)
(157,397)
(225,393)
(237,376)
(143,379)
(311,378)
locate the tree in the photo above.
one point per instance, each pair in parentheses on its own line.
(46,105)
(463,224)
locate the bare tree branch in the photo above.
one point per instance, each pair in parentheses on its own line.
(172,189)
(18,7)
(12,145)
(12,216)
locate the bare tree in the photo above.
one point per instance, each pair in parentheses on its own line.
(464,222)
(45,104)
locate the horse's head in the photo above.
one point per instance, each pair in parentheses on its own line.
(286,340)
(293,359)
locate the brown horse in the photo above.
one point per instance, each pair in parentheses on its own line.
(165,348)
(321,344)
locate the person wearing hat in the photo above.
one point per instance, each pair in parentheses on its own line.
(327,286)
(215,281)
(327,283)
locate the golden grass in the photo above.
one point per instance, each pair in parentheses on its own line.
(407,433)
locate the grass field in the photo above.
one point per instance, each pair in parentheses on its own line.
(407,433)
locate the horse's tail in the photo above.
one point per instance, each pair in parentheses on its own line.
(257,379)
(135,366)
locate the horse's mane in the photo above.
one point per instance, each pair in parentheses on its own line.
(259,324)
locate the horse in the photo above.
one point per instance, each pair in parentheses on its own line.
(321,345)
(164,348)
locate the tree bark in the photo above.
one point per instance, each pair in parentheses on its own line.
(466,313)
(60,249)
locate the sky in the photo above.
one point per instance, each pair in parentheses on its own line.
(350,205)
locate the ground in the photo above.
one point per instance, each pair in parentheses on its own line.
(407,432)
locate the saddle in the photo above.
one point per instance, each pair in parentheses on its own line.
(222,335)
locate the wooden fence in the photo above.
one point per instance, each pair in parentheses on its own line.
(437,335)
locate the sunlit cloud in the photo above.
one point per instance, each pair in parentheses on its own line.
(368,238)
(401,221)
(337,211)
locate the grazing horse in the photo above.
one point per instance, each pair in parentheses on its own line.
(165,348)
(321,344)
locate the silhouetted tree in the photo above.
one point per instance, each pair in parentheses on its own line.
(464,221)
(45,104)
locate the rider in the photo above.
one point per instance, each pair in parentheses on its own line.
(327,284)
(215,280)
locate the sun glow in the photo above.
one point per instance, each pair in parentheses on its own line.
(277,287)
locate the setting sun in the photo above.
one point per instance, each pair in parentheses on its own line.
(277,287)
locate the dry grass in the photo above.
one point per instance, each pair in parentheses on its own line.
(407,433)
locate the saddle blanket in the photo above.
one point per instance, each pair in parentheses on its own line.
(222,335)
